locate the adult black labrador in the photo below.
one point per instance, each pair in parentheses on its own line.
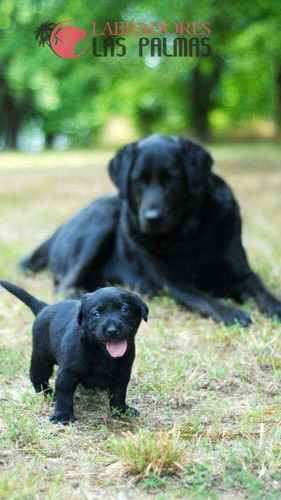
(175,224)
(92,341)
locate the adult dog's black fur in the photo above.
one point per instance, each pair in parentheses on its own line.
(175,224)
(92,341)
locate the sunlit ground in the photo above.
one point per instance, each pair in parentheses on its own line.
(217,390)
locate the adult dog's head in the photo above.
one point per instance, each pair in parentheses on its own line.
(161,178)
(111,316)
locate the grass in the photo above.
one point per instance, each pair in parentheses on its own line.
(209,396)
(148,454)
(30,481)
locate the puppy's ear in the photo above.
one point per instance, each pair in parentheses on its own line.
(83,304)
(120,166)
(141,305)
(197,163)
(80,316)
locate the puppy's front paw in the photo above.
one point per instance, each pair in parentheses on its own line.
(123,411)
(63,418)
(232,316)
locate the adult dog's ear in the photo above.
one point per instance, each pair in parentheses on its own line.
(80,316)
(197,162)
(120,166)
(141,305)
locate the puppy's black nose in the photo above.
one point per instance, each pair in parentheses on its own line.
(112,330)
(152,215)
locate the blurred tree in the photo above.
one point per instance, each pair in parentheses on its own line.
(241,81)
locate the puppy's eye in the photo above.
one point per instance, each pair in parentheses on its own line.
(124,309)
(96,314)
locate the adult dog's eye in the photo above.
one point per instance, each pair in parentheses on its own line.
(144,178)
(124,309)
(96,314)
(165,177)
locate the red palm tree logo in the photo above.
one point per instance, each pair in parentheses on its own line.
(62,38)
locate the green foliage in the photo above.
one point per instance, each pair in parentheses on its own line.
(239,82)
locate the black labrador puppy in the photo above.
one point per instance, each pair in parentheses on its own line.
(175,224)
(92,341)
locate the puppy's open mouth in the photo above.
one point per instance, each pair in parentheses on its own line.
(116,348)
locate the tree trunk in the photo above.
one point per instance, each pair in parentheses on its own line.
(201,102)
(278,102)
(11,121)
(199,106)
(49,137)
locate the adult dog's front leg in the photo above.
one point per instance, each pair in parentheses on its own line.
(208,306)
(70,285)
(65,388)
(266,301)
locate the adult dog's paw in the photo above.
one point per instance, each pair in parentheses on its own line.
(233,316)
(71,293)
(63,418)
(274,310)
(123,411)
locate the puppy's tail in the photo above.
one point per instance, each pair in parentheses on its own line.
(34,304)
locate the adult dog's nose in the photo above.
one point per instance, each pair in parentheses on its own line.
(152,215)
(111,331)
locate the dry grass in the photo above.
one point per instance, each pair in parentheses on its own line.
(211,392)
(147,453)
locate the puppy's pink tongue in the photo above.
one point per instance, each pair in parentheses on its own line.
(116,348)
